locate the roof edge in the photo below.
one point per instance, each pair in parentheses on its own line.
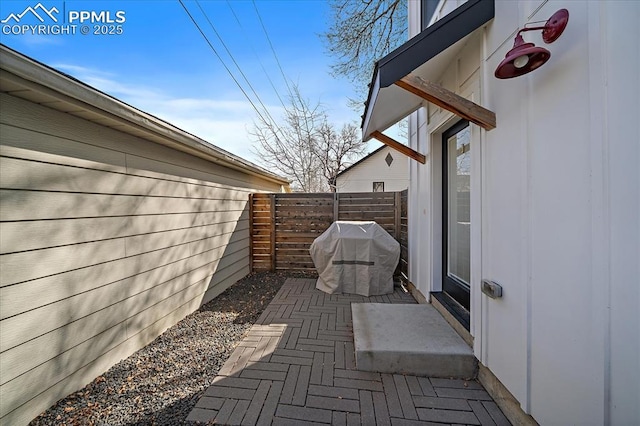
(451,28)
(419,49)
(371,154)
(65,85)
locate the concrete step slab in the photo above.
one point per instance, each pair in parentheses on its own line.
(409,339)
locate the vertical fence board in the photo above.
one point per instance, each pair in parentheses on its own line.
(272,234)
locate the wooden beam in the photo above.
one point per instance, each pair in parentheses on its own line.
(398,146)
(448,100)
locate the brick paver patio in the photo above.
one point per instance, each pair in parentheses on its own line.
(296,366)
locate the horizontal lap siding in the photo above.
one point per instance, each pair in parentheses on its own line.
(295,220)
(105,241)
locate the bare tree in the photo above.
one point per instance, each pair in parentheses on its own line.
(305,147)
(336,150)
(289,148)
(360,33)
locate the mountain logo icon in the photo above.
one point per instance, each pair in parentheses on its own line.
(43,11)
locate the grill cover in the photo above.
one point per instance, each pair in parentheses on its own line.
(355,257)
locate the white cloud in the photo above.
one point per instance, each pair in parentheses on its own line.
(204,105)
(107,82)
(39,40)
(217,118)
(222,122)
(79,70)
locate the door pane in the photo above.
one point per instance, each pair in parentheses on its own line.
(459,206)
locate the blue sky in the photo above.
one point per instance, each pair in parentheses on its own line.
(162,65)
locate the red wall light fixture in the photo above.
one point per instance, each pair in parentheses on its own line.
(526,57)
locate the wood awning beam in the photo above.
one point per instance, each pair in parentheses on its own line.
(392,143)
(448,100)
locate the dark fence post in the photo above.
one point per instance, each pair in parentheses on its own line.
(251,232)
(336,206)
(397,215)
(404,239)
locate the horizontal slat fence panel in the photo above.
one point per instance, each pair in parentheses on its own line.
(283,226)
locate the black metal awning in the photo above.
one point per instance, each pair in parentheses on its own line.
(399,86)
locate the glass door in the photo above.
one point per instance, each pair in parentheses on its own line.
(456,213)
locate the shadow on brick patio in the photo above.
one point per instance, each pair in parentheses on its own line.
(297,366)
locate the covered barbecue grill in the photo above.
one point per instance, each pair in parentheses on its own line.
(355,257)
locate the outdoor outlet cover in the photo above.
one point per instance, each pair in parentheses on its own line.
(491,289)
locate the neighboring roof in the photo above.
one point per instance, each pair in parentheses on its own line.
(426,54)
(27,78)
(371,154)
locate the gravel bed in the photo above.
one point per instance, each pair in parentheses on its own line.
(161,383)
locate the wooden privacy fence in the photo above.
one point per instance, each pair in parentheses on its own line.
(283,226)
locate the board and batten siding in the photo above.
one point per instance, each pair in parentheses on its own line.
(555,203)
(106,240)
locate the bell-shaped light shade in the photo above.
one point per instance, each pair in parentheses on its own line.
(522,59)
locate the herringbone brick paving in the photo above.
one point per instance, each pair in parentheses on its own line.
(297,366)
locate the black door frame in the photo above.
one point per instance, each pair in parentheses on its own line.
(453,287)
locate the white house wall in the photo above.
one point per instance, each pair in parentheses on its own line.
(557,212)
(106,240)
(567,116)
(361,176)
(616,197)
(426,128)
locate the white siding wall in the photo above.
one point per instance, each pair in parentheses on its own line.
(360,178)
(615,194)
(106,240)
(557,215)
(560,189)
(425,218)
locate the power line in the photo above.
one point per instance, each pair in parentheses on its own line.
(256,54)
(223,63)
(234,62)
(272,49)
